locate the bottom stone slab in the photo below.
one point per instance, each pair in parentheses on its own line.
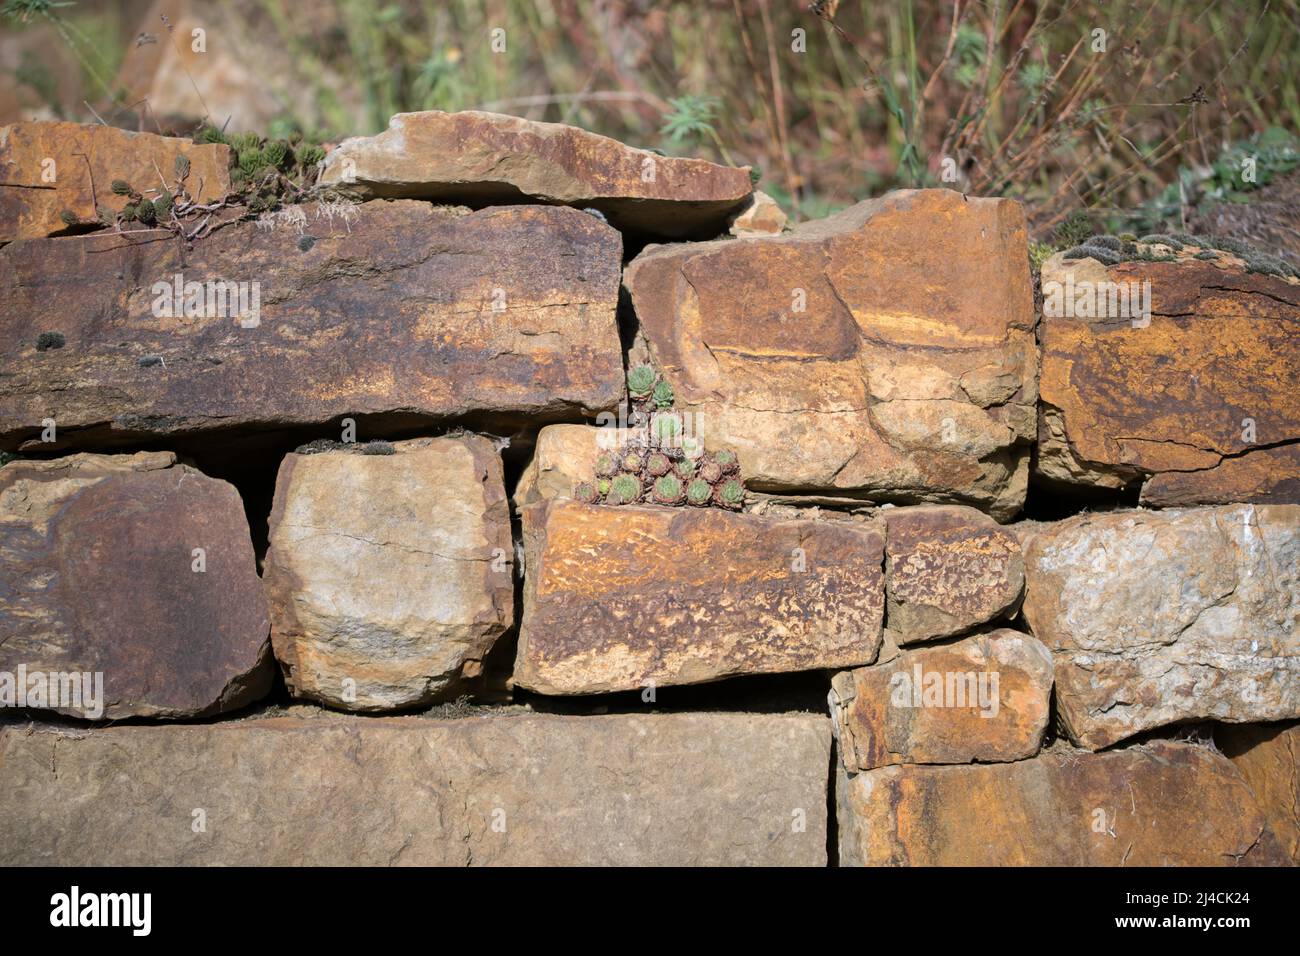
(1162,804)
(508,789)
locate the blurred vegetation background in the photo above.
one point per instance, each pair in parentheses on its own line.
(1140,112)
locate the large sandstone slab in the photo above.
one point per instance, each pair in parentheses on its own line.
(984,698)
(383,308)
(525,790)
(619,598)
(49,168)
(1268,756)
(1165,804)
(138,570)
(948,569)
(477,158)
(1159,617)
(886,352)
(389,576)
(1199,404)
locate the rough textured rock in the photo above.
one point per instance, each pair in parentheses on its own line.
(1170,404)
(478,158)
(762,217)
(948,569)
(382,308)
(389,575)
(616,598)
(83,160)
(681,789)
(1268,756)
(1165,804)
(984,698)
(564,456)
(885,352)
(100,576)
(1159,617)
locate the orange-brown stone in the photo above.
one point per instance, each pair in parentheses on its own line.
(622,597)
(48,168)
(886,352)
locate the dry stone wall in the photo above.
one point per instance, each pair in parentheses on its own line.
(528,498)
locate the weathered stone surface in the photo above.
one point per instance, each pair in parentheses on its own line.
(477,158)
(618,597)
(1165,804)
(984,698)
(100,574)
(86,159)
(529,789)
(1159,617)
(948,569)
(885,352)
(564,456)
(761,217)
(1202,404)
(379,308)
(388,575)
(1268,756)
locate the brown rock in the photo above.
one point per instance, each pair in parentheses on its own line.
(1165,804)
(1193,404)
(381,308)
(52,167)
(480,158)
(948,569)
(247,75)
(1159,617)
(389,574)
(524,790)
(886,352)
(99,555)
(620,597)
(565,455)
(762,217)
(1268,756)
(984,698)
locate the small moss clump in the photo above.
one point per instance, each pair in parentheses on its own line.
(121,187)
(1160,238)
(731,494)
(378,448)
(50,340)
(607,464)
(698,492)
(641,381)
(668,490)
(658,464)
(1074,230)
(624,490)
(1113,243)
(1105,256)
